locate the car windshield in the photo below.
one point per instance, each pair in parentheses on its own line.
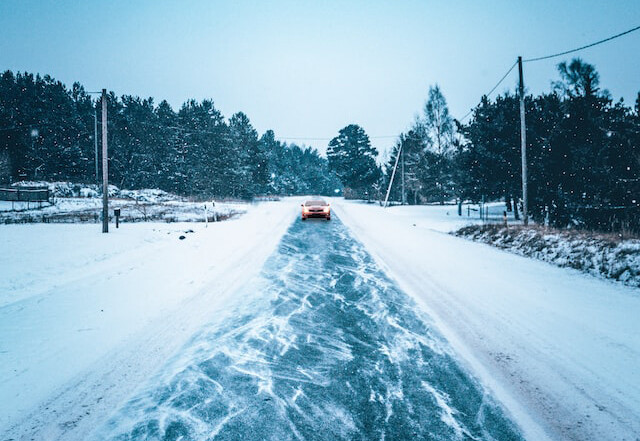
(315,203)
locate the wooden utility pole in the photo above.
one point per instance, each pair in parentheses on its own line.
(105,166)
(523,147)
(95,141)
(404,194)
(393,174)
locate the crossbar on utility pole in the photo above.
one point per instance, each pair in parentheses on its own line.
(523,147)
(105,166)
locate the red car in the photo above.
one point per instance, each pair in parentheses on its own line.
(317,208)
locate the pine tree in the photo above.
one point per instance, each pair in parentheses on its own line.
(248,168)
(352,158)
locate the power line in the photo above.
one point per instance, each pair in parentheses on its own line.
(492,90)
(501,79)
(553,56)
(294,138)
(284,138)
(582,47)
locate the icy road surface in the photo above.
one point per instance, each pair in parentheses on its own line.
(323,346)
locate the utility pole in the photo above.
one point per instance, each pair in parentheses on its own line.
(105,166)
(95,141)
(404,194)
(393,174)
(523,147)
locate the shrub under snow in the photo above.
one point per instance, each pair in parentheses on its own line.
(74,190)
(600,255)
(77,203)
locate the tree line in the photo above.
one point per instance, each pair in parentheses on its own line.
(583,154)
(47,133)
(583,150)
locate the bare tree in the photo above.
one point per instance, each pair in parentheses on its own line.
(437,120)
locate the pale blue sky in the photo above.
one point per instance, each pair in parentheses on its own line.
(308,68)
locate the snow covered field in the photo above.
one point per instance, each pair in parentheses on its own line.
(561,349)
(445,217)
(75,203)
(89,210)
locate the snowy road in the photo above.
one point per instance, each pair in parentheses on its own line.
(323,346)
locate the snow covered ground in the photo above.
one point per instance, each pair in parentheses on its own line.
(600,255)
(445,217)
(84,315)
(75,203)
(560,348)
(87,319)
(89,210)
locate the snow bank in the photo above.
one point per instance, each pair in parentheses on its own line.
(597,255)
